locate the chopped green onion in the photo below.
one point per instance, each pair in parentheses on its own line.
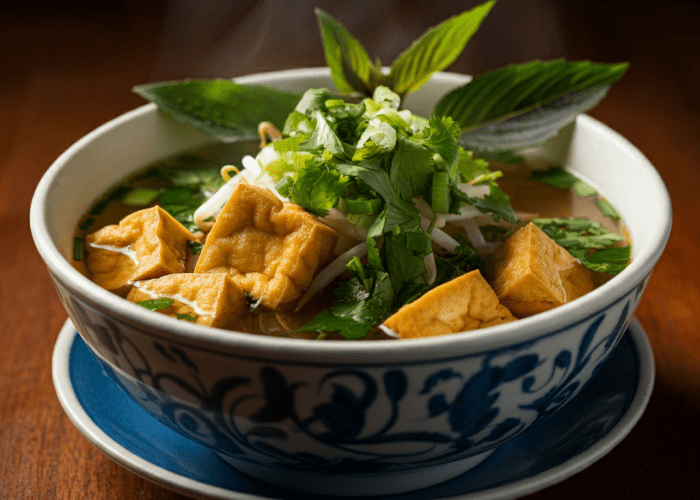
(363,206)
(284,184)
(78,247)
(361,220)
(87,223)
(140,196)
(441,193)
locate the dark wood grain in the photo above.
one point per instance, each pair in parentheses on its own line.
(67,67)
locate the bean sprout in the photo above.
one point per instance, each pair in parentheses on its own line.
(331,271)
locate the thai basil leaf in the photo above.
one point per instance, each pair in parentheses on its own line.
(221,108)
(351,68)
(524,105)
(435,50)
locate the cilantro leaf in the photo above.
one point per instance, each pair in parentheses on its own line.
(318,188)
(356,310)
(412,167)
(588,242)
(497,203)
(322,138)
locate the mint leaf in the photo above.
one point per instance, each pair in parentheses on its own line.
(351,68)
(525,104)
(435,50)
(221,108)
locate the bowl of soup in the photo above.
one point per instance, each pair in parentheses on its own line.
(383,415)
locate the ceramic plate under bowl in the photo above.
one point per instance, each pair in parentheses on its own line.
(591,425)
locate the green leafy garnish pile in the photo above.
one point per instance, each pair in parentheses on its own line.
(371,159)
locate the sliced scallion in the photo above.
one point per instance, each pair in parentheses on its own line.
(78,248)
(441,193)
(363,206)
(140,196)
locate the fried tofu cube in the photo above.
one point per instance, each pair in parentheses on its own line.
(206,299)
(270,248)
(146,244)
(462,304)
(533,274)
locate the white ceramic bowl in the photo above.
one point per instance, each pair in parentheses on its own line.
(353,418)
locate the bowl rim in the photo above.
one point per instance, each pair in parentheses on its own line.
(523,330)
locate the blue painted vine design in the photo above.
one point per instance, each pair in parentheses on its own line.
(339,422)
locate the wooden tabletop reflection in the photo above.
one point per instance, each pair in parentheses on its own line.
(67,67)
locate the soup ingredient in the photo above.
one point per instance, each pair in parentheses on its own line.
(271,249)
(592,245)
(533,274)
(206,299)
(354,71)
(463,304)
(146,244)
(523,105)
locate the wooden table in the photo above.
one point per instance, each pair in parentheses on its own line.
(65,70)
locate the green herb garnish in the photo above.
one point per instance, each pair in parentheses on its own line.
(560,178)
(78,248)
(187,317)
(140,196)
(587,241)
(155,304)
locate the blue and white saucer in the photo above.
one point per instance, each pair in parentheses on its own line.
(582,432)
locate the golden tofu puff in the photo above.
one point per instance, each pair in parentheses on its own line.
(206,299)
(146,244)
(462,304)
(532,274)
(270,248)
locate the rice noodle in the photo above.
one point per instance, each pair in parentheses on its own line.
(430,268)
(331,272)
(440,237)
(265,130)
(477,239)
(465,212)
